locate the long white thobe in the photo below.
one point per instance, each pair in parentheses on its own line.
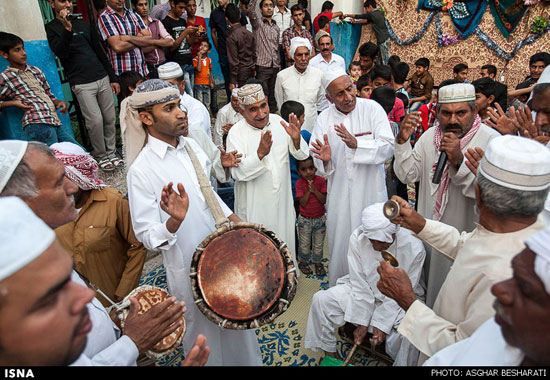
(157,165)
(415,165)
(104,344)
(263,192)
(356,177)
(356,299)
(197,114)
(335,62)
(485,348)
(305,88)
(481,259)
(225,115)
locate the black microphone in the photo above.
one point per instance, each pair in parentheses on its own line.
(439,168)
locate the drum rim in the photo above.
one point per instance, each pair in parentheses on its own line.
(285,298)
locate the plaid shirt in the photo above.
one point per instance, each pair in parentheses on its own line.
(112,24)
(31,88)
(290,33)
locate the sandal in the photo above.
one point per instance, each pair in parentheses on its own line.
(320,270)
(117,162)
(304,267)
(106,165)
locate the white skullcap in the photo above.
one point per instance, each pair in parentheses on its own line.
(539,243)
(456,93)
(11,154)
(545,76)
(375,225)
(235,92)
(331,75)
(170,70)
(250,94)
(517,163)
(23,236)
(297,42)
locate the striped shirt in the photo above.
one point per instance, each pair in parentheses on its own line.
(30,87)
(267,38)
(112,24)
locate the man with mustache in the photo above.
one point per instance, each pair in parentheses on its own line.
(326,61)
(511,186)
(263,191)
(351,141)
(518,334)
(452,201)
(300,82)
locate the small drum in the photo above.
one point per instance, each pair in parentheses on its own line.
(149,296)
(242,276)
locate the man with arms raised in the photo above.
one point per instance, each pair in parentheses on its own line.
(169,211)
(263,191)
(351,141)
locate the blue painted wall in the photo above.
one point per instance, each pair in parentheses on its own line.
(346,39)
(40,55)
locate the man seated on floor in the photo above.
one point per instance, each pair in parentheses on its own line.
(356,299)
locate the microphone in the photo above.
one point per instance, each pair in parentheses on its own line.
(439,168)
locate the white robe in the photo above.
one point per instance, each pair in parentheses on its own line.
(156,166)
(415,165)
(336,63)
(226,114)
(356,299)
(481,259)
(104,344)
(305,88)
(356,177)
(485,348)
(197,114)
(263,192)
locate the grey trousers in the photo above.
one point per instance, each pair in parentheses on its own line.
(97,104)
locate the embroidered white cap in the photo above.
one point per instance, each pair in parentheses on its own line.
(170,70)
(456,93)
(517,163)
(250,94)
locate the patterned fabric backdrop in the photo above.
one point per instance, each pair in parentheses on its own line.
(406,22)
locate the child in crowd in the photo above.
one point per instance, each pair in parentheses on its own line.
(324,30)
(364,86)
(311,191)
(485,90)
(421,85)
(399,74)
(128,82)
(381,76)
(405,99)
(204,82)
(26,87)
(354,71)
(460,73)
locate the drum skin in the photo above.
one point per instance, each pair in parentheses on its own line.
(242,276)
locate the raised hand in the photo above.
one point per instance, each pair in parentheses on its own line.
(347,138)
(174,204)
(265,144)
(231,159)
(293,129)
(322,150)
(499,121)
(198,355)
(523,119)
(473,156)
(408,125)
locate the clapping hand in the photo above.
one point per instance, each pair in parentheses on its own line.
(265,144)
(322,151)
(347,138)
(231,159)
(473,156)
(523,120)
(499,121)
(293,129)
(174,204)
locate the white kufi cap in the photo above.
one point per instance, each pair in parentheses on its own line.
(516,162)
(331,75)
(23,236)
(170,70)
(456,93)
(11,154)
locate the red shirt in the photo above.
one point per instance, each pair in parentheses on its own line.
(316,22)
(314,208)
(199,21)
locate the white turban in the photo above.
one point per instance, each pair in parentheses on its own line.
(539,243)
(297,42)
(23,236)
(375,225)
(147,94)
(11,154)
